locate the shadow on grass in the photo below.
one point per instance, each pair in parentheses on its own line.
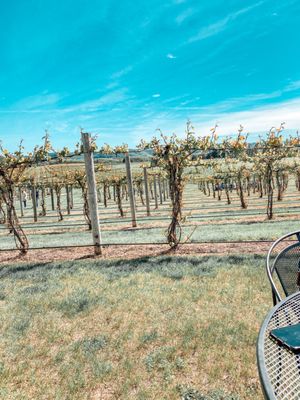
(167,266)
(15,269)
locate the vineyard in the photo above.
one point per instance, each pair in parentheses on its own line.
(170,194)
(139,274)
(201,211)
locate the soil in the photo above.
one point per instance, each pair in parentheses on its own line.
(133,252)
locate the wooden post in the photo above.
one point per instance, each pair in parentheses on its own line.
(130,190)
(52,199)
(99,195)
(43,202)
(114,192)
(8,213)
(105,195)
(92,191)
(68,199)
(33,198)
(147,191)
(160,191)
(164,189)
(72,197)
(151,190)
(167,188)
(21,202)
(155,191)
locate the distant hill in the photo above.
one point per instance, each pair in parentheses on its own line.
(135,156)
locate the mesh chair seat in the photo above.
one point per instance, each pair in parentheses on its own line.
(284,260)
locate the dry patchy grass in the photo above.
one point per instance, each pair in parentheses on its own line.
(150,328)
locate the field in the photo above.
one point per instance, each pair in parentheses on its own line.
(152,328)
(225,222)
(139,323)
(149,159)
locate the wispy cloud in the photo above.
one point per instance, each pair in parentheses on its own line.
(175,98)
(184,15)
(37,102)
(241,102)
(235,103)
(210,30)
(295,85)
(171,56)
(122,72)
(115,78)
(48,103)
(111,98)
(227,105)
(156,95)
(220,25)
(256,120)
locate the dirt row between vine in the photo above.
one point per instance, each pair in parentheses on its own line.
(132,252)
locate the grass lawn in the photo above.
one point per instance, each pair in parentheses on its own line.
(151,328)
(268,230)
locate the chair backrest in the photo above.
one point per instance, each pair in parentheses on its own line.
(284,260)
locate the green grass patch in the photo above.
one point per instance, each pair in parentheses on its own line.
(267,230)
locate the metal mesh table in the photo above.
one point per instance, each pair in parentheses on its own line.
(279,369)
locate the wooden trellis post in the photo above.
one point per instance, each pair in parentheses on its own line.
(52,199)
(33,198)
(160,191)
(43,202)
(21,202)
(105,195)
(99,195)
(68,199)
(72,197)
(164,189)
(130,190)
(147,191)
(92,191)
(167,188)
(155,191)
(114,192)
(151,190)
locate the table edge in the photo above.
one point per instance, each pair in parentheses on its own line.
(262,370)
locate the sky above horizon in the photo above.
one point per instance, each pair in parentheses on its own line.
(124,69)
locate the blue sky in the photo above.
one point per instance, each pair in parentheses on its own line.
(122,69)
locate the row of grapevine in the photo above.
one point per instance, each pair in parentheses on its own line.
(216,166)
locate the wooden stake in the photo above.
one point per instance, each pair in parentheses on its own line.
(33,198)
(155,191)
(52,199)
(130,190)
(167,188)
(164,189)
(21,202)
(160,191)
(72,197)
(114,192)
(68,199)
(99,195)
(92,191)
(147,191)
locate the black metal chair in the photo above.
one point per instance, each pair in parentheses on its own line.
(283,261)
